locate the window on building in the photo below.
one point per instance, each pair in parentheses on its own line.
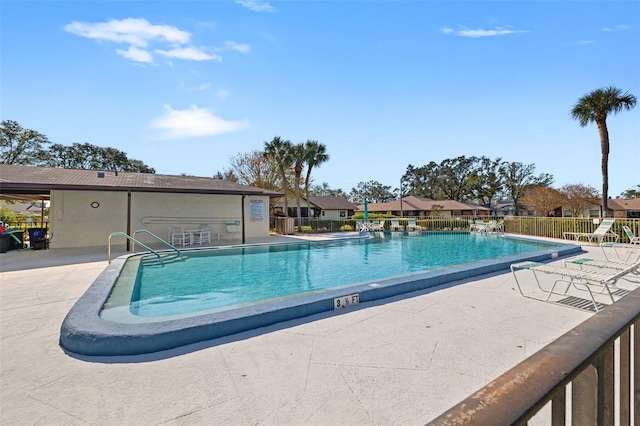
(343,213)
(594,213)
(567,213)
(322,212)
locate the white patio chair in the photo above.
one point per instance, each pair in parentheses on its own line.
(202,235)
(632,238)
(178,237)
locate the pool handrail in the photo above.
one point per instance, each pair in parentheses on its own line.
(133,238)
(130,238)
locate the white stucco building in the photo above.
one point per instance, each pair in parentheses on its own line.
(86,206)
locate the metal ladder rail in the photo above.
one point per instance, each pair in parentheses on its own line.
(128,237)
(133,236)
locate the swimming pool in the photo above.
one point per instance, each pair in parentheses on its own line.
(156,307)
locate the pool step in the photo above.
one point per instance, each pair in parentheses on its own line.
(164,259)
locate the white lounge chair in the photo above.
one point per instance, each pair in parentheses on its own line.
(602,232)
(491,226)
(629,233)
(477,225)
(581,279)
(378,226)
(495,226)
(624,252)
(412,226)
(395,225)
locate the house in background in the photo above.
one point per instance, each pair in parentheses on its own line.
(328,207)
(621,208)
(323,207)
(625,207)
(424,207)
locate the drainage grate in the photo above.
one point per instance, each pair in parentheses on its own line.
(620,292)
(578,303)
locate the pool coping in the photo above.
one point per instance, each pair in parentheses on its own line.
(84,332)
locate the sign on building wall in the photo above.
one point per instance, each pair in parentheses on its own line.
(257,210)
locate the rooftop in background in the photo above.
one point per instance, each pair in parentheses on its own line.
(27,181)
(413,203)
(332,203)
(624,204)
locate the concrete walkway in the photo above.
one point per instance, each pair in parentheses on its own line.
(398,361)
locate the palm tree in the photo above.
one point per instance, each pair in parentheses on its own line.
(279,151)
(298,157)
(316,154)
(594,107)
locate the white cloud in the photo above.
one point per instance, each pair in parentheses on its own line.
(256,5)
(582,42)
(136,54)
(134,31)
(193,122)
(223,94)
(480,32)
(238,47)
(190,53)
(623,27)
(138,33)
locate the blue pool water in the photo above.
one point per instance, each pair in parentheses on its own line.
(224,278)
(137,307)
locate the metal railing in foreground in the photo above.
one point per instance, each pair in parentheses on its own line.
(128,237)
(580,374)
(154,236)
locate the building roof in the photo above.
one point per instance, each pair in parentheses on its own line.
(332,203)
(32,180)
(624,204)
(413,203)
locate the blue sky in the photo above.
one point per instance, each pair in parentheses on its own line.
(186,85)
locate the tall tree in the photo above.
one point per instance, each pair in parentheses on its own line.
(633,192)
(21,146)
(254,169)
(279,151)
(518,178)
(88,156)
(579,197)
(595,107)
(315,155)
(543,199)
(422,182)
(373,191)
(298,158)
(325,191)
(485,180)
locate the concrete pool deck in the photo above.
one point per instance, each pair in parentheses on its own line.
(402,360)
